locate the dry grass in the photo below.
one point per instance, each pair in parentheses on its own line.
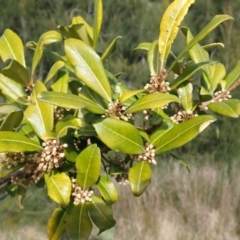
(201,205)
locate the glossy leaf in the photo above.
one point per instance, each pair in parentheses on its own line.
(126,94)
(139,177)
(153,58)
(12,90)
(98,16)
(101,214)
(88,166)
(39,114)
(12,121)
(110,49)
(17,142)
(149,101)
(202,34)
(70,101)
(233,76)
(108,190)
(88,67)
(56,224)
(61,84)
(59,187)
(6,109)
(27,130)
(181,133)
(46,38)
(11,47)
(87,130)
(188,72)
(169,26)
(155,138)
(230,108)
(17,72)
(185,94)
(65,123)
(119,136)
(78,223)
(54,69)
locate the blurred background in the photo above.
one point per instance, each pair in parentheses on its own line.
(201,205)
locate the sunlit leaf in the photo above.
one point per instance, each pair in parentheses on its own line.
(101,214)
(153,58)
(126,94)
(139,177)
(233,76)
(54,69)
(119,135)
(59,187)
(143,46)
(39,114)
(61,84)
(185,94)
(88,165)
(98,16)
(17,142)
(11,47)
(88,67)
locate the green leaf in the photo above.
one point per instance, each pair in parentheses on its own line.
(88,166)
(78,223)
(181,133)
(27,130)
(11,47)
(98,16)
(46,38)
(126,94)
(19,196)
(203,33)
(56,224)
(12,121)
(119,136)
(65,123)
(185,94)
(88,67)
(101,214)
(110,49)
(154,100)
(17,142)
(59,187)
(155,138)
(211,45)
(12,90)
(143,46)
(70,101)
(108,190)
(233,76)
(153,58)
(169,26)
(39,114)
(230,108)
(188,72)
(139,177)
(17,72)
(61,84)
(87,130)
(54,69)
(6,109)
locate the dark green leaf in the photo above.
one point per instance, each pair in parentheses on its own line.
(119,136)
(12,121)
(101,214)
(59,187)
(139,177)
(88,67)
(88,166)
(56,224)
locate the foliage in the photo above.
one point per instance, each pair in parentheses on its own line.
(80,128)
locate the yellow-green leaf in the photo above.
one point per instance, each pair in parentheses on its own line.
(98,16)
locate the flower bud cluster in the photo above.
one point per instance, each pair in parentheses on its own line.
(58,114)
(148,155)
(29,88)
(115,110)
(221,96)
(183,116)
(122,179)
(12,159)
(157,84)
(80,195)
